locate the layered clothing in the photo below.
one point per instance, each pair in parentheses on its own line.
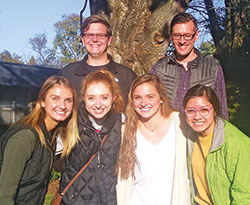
(97,184)
(178,193)
(25,165)
(203,70)
(227,165)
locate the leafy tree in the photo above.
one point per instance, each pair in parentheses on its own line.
(39,44)
(228,22)
(207,48)
(6,56)
(67,39)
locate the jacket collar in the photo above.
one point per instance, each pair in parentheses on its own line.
(49,136)
(108,123)
(218,136)
(192,64)
(85,69)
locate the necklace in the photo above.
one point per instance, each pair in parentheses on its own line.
(150,128)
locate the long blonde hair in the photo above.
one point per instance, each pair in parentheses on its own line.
(107,78)
(127,157)
(68,129)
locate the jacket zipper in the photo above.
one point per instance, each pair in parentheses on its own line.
(99,164)
(98,154)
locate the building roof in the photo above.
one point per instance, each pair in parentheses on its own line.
(12,74)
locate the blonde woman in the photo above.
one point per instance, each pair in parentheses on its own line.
(153,150)
(27,148)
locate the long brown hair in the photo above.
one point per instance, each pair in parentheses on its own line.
(107,78)
(68,130)
(127,157)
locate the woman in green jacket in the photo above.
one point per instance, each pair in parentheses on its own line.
(27,148)
(219,153)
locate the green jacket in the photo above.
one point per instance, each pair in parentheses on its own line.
(227,166)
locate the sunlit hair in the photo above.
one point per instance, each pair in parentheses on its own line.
(206,91)
(107,78)
(183,18)
(127,157)
(68,129)
(96,18)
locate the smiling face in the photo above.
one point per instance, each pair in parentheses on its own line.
(98,99)
(146,101)
(96,47)
(58,105)
(200,122)
(185,48)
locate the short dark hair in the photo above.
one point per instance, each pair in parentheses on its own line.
(96,18)
(183,18)
(206,91)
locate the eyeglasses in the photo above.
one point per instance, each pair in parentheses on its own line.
(100,36)
(186,36)
(204,111)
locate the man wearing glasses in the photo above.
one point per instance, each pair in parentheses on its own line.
(96,36)
(185,67)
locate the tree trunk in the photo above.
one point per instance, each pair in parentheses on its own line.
(137,29)
(231,34)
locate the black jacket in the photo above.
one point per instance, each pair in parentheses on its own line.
(76,72)
(36,174)
(97,184)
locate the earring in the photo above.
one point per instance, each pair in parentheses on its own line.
(161,102)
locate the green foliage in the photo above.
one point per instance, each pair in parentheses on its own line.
(6,56)
(55,175)
(238,104)
(48,199)
(208,48)
(67,39)
(66,45)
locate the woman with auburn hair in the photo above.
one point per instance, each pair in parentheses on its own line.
(27,148)
(218,152)
(153,150)
(99,117)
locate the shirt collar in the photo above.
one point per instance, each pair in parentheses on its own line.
(192,64)
(85,69)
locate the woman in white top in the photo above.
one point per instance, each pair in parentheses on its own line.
(152,157)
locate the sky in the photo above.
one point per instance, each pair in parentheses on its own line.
(21,20)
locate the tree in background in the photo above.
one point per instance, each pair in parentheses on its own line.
(66,45)
(228,22)
(67,40)
(6,56)
(46,56)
